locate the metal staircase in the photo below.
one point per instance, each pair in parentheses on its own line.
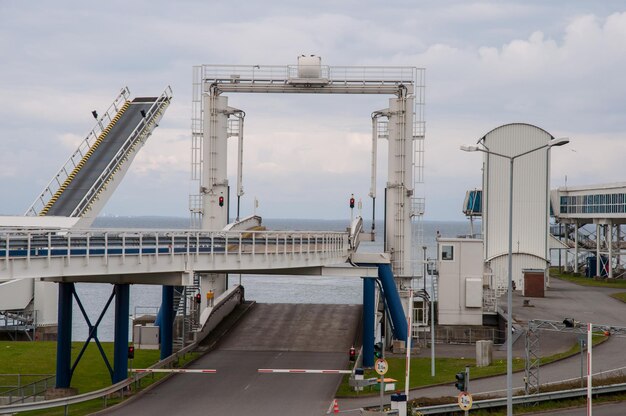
(188,312)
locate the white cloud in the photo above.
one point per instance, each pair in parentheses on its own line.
(488,63)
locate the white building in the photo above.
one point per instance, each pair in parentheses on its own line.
(460,281)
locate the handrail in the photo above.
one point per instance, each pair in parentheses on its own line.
(337,74)
(66,401)
(139,133)
(17,244)
(40,202)
(528,399)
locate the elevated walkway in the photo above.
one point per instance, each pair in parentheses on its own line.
(164,257)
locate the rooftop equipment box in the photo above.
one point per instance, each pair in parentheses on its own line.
(534,283)
(309,66)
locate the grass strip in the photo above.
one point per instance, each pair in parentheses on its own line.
(90,374)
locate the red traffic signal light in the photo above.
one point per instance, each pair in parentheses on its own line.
(220,200)
(352,354)
(198,298)
(351,202)
(131,352)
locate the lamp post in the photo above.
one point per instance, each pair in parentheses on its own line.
(509,330)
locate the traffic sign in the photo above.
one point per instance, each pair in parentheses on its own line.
(381,366)
(465,401)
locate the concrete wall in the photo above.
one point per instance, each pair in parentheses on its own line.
(459,276)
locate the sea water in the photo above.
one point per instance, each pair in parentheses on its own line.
(261,288)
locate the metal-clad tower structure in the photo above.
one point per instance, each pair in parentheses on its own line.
(531,205)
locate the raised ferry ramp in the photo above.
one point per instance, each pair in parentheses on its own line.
(286,336)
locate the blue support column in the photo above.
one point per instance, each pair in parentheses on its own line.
(120,347)
(393,301)
(167,321)
(369,287)
(64,336)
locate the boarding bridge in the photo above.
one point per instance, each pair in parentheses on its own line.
(164,257)
(88,178)
(77,193)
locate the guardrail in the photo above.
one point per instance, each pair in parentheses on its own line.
(517,400)
(122,385)
(337,74)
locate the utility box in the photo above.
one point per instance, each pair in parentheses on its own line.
(484,353)
(534,283)
(309,66)
(146,337)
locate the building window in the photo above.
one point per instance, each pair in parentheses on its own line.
(447,253)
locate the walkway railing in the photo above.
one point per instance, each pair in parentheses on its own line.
(53,186)
(27,387)
(19,245)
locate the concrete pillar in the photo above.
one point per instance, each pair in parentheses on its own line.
(369,286)
(120,347)
(167,321)
(609,243)
(598,258)
(566,268)
(64,336)
(484,353)
(576,247)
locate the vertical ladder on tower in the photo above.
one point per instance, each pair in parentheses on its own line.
(197,163)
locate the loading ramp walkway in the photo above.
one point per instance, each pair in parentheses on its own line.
(82,183)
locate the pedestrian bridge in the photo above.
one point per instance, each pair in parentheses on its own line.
(167,257)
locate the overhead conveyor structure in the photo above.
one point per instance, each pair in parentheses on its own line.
(88,178)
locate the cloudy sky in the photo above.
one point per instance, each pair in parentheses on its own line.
(560,65)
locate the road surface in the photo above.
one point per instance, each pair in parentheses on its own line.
(269,336)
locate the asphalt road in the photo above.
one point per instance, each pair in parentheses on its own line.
(269,336)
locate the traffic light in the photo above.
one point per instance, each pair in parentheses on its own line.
(131,352)
(220,200)
(351,202)
(352,354)
(460,381)
(378,350)
(198,298)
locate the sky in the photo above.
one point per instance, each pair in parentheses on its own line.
(558,65)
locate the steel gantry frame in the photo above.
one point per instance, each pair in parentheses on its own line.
(532,343)
(210,112)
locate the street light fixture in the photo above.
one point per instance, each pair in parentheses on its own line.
(509,333)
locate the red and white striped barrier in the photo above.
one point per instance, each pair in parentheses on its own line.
(173,370)
(299,371)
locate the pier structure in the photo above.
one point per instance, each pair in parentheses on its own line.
(54,245)
(593,217)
